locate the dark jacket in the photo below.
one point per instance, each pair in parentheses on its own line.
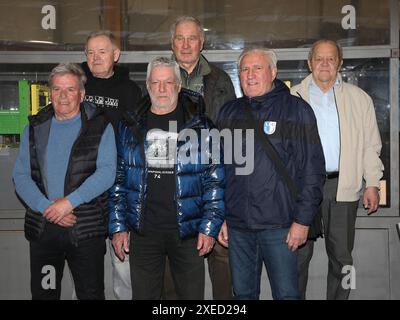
(199,187)
(91,216)
(262,199)
(117,94)
(218,90)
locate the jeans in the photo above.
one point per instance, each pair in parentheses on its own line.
(247,252)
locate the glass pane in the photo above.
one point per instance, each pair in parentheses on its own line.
(230,24)
(236,24)
(372,75)
(63,25)
(8,95)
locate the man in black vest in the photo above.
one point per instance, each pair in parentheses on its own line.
(66,163)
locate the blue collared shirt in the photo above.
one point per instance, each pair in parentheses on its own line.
(325,111)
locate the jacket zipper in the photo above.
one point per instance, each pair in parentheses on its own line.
(144,184)
(340,135)
(72,231)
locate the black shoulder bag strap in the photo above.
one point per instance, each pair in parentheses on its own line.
(270,151)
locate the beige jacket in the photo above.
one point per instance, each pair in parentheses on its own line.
(360,142)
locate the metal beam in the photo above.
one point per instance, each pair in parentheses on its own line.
(212,55)
(112,18)
(394,107)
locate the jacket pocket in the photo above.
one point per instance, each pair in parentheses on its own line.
(34,225)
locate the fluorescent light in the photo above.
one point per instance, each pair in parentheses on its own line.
(40,41)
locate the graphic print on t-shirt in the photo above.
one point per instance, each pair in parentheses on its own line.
(161,152)
(103,102)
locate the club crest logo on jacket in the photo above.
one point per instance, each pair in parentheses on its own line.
(269,127)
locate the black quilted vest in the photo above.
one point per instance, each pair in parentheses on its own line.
(92,216)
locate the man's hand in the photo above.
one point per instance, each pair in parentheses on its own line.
(58,210)
(68,221)
(120,242)
(371,199)
(297,236)
(204,244)
(223,235)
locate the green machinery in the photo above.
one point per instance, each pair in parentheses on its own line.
(31,98)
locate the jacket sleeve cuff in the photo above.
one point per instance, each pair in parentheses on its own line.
(302,223)
(372,183)
(114,229)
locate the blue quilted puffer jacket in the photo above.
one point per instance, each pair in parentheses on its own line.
(199,187)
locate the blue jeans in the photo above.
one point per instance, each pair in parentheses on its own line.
(247,251)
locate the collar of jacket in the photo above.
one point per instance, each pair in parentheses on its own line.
(202,67)
(278,87)
(192,111)
(338,86)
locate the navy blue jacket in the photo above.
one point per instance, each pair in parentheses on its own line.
(199,187)
(262,200)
